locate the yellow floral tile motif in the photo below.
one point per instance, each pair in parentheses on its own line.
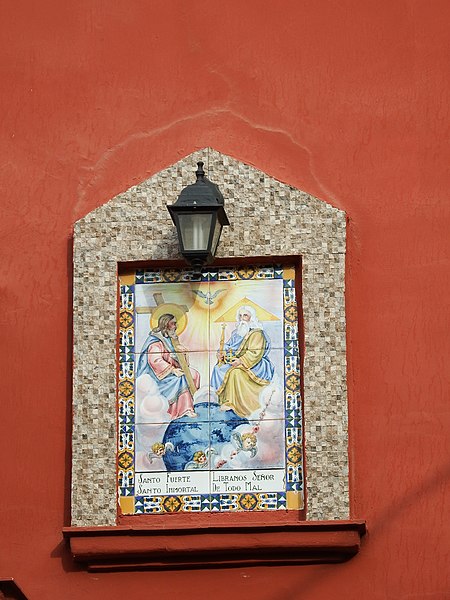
(172,504)
(126,319)
(125,460)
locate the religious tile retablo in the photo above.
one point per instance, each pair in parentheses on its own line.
(209,401)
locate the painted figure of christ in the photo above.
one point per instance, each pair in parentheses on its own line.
(166,361)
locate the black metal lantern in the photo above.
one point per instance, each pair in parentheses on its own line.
(199,215)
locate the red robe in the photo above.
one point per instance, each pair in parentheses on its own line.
(162,363)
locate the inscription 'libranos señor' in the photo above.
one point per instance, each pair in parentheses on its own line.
(209,391)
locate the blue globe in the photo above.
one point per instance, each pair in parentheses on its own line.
(211,429)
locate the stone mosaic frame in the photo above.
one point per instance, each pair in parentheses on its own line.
(268,219)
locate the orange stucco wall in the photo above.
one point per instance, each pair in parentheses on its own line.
(345,100)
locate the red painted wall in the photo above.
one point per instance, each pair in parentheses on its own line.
(344,99)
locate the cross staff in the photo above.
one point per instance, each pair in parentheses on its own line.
(180,356)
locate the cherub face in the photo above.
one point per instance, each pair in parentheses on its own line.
(201,459)
(248,444)
(161,451)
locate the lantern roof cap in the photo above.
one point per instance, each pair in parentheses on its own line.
(203,192)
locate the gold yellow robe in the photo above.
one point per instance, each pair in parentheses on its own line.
(241,387)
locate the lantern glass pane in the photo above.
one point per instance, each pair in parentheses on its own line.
(195,230)
(216,236)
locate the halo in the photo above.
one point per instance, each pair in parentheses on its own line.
(173,309)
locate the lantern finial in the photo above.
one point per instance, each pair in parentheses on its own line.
(200,172)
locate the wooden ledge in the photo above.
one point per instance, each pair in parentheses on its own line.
(130,548)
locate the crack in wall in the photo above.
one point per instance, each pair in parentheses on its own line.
(96,171)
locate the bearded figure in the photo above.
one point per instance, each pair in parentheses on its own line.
(243,367)
(166,361)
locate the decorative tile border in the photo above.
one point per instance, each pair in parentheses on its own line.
(268,219)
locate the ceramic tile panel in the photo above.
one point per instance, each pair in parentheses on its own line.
(271,371)
(184,300)
(250,445)
(248,501)
(199,412)
(170,384)
(268,219)
(250,296)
